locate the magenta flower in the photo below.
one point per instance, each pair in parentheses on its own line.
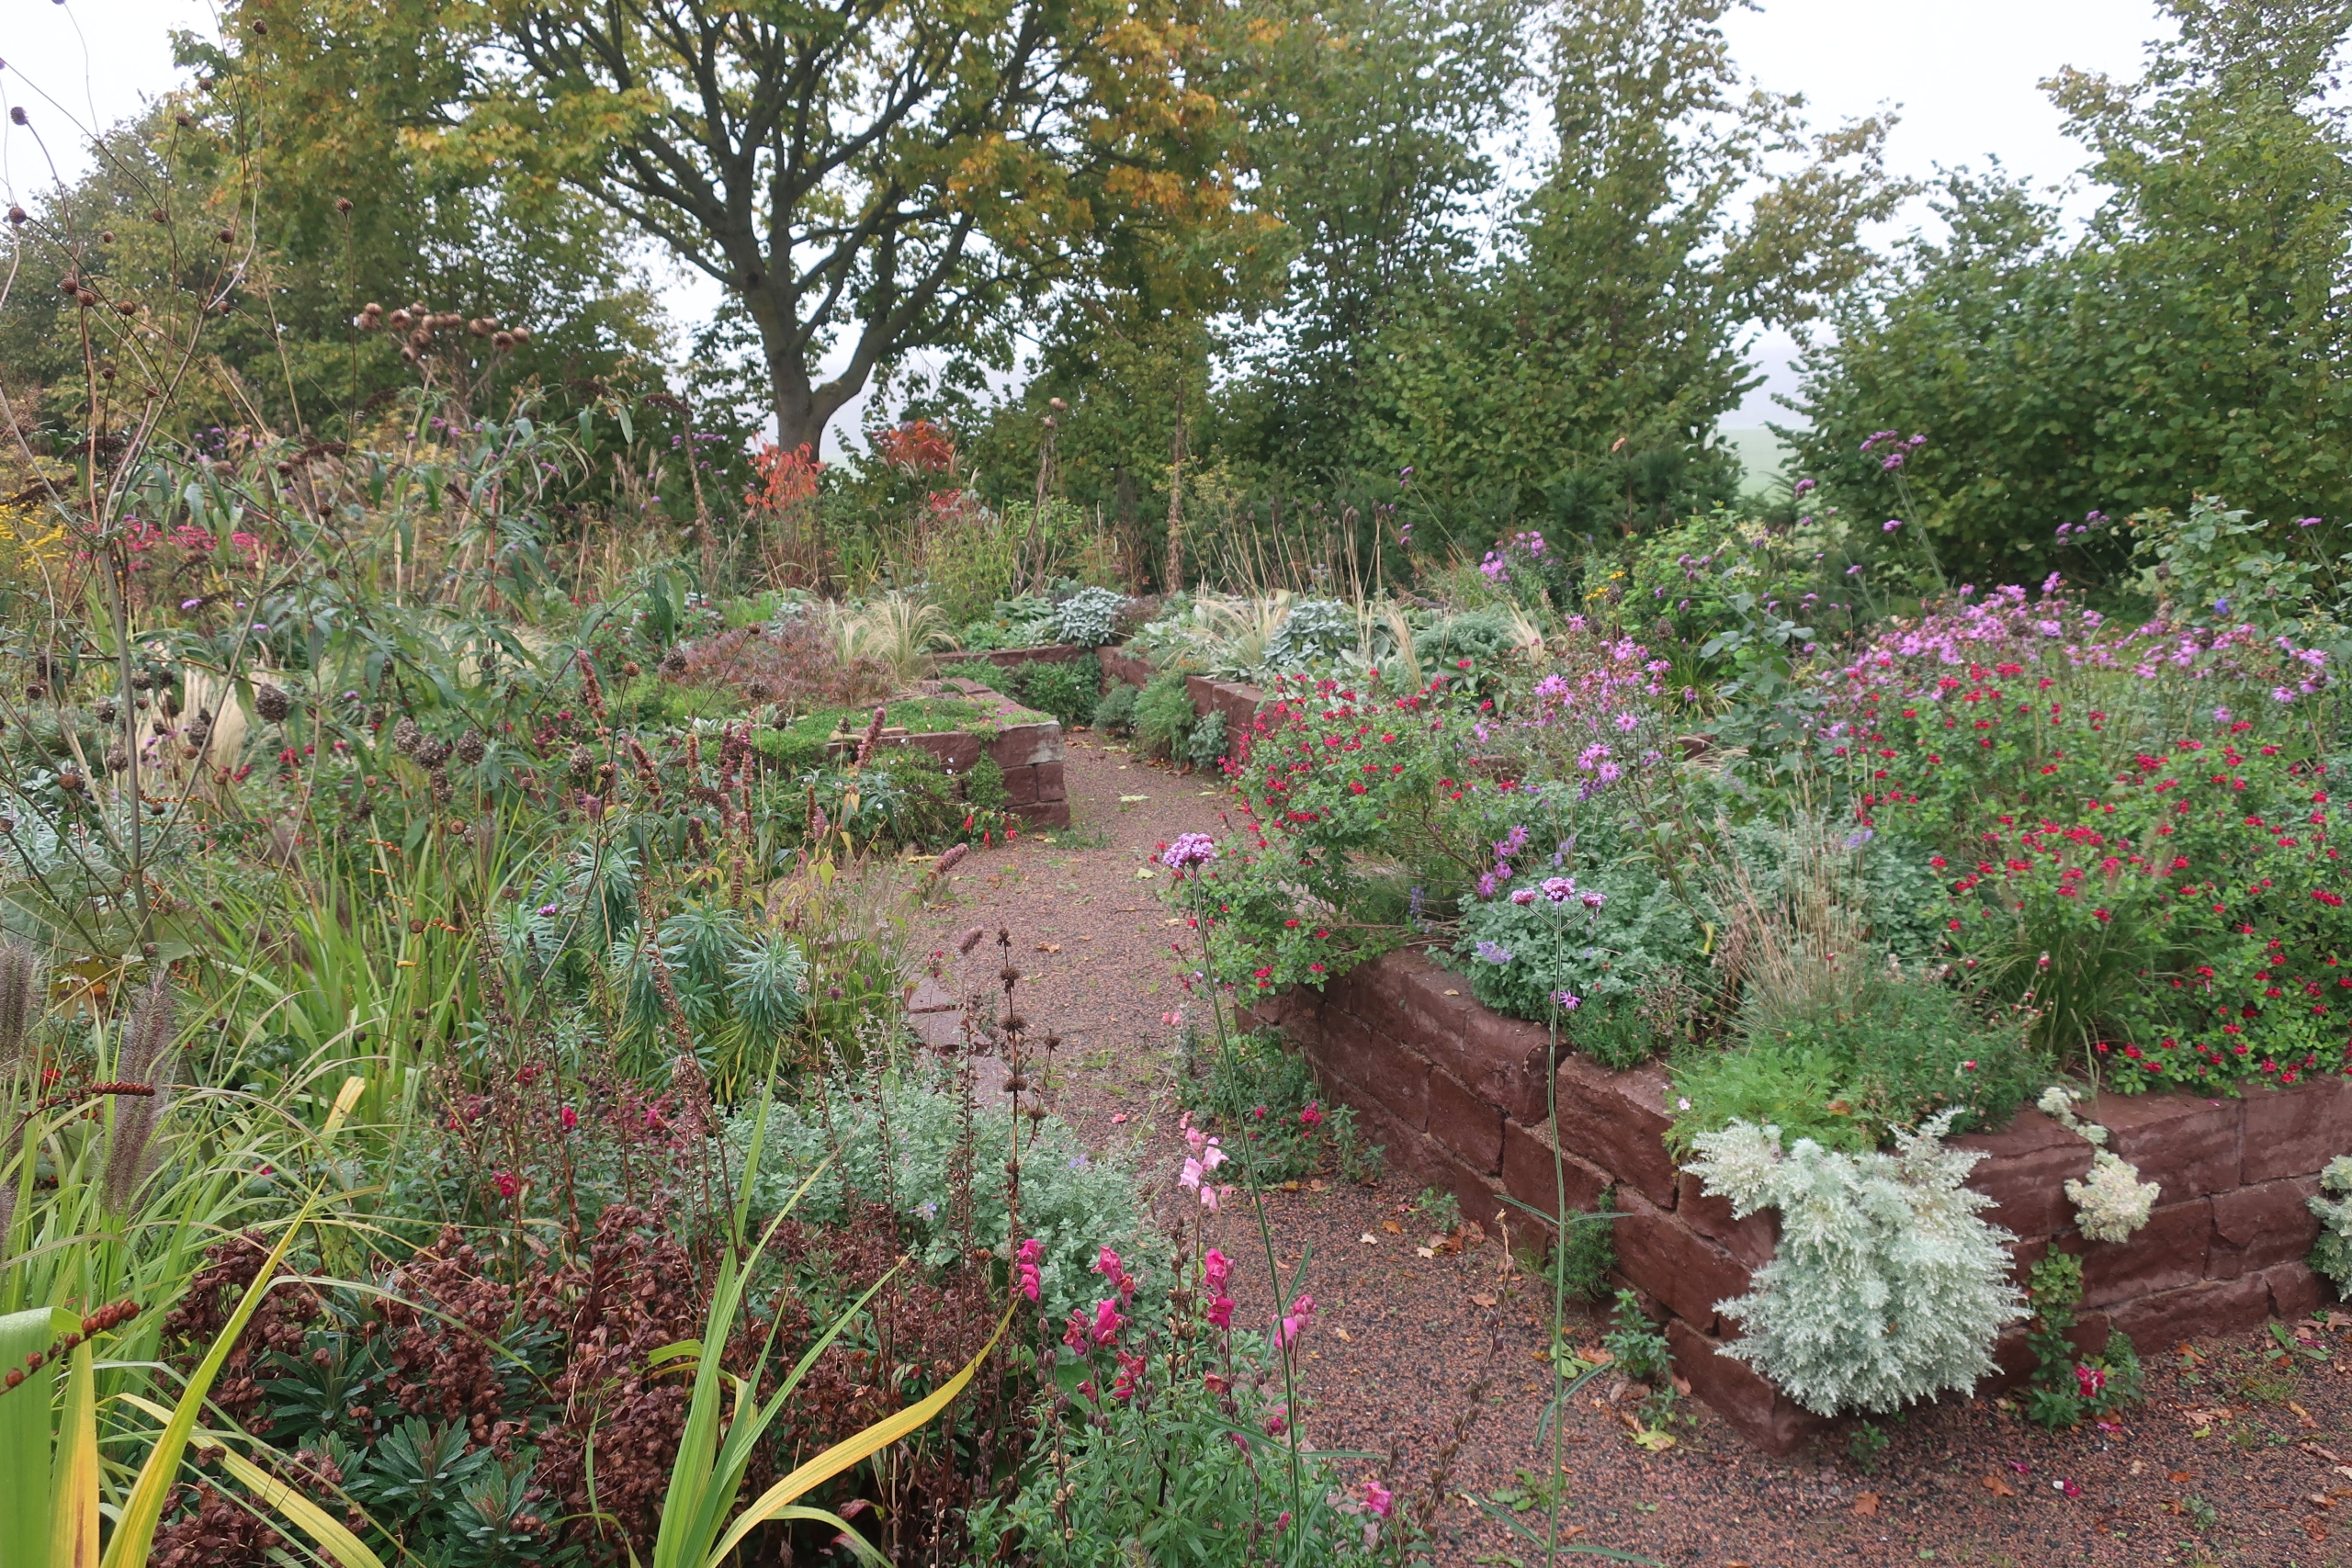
(1215,1269)
(1295,1323)
(1107,1322)
(1378,1499)
(1221,1312)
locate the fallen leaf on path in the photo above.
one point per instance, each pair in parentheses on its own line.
(1596,1355)
(1392,1227)
(1867,1505)
(2316,1530)
(1453,993)
(1144,873)
(2305,1414)
(1650,1439)
(1131,799)
(1483,1299)
(1426,1252)
(1317,1187)
(1049,947)
(1681,1384)
(1370,1240)
(1117,1117)
(1998,1487)
(1345,1335)
(2178,1477)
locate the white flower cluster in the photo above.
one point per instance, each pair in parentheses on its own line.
(1887,1287)
(2112,1202)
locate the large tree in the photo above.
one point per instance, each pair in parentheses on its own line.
(1594,358)
(2191,338)
(872,177)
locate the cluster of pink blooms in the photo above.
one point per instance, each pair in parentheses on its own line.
(2007,626)
(1024,1269)
(1201,1164)
(1215,1269)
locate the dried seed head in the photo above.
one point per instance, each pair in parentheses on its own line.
(118,760)
(406,736)
(272,703)
(470,747)
(21,987)
(971,940)
(145,1058)
(343,204)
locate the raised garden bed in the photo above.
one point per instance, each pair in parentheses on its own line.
(1236,701)
(1456,1093)
(1026,744)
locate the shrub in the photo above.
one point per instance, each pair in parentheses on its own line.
(1315,629)
(2136,830)
(1163,715)
(1204,747)
(2331,1255)
(1116,714)
(1887,1287)
(1482,636)
(1067,689)
(905,1153)
(1265,1097)
(1088,617)
(2068,1387)
(1639,941)
(1888,1051)
(978,670)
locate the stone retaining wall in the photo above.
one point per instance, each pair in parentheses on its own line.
(1456,1093)
(1237,701)
(1030,751)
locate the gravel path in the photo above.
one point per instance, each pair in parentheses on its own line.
(2242,1455)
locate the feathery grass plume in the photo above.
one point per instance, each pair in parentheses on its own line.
(145,1058)
(20,993)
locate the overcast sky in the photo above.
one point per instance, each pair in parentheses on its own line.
(1962,78)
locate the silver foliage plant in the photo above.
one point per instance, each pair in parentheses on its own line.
(1088,617)
(1888,1286)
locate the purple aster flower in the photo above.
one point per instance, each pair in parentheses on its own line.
(1567,1001)
(1892,524)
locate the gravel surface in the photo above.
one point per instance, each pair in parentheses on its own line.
(1430,1361)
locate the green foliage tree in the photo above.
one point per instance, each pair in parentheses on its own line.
(1582,374)
(2182,344)
(291,142)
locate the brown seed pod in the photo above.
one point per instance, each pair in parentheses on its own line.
(272,703)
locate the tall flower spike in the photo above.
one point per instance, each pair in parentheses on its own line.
(146,1044)
(21,991)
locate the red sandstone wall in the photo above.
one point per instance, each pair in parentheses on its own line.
(1456,1093)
